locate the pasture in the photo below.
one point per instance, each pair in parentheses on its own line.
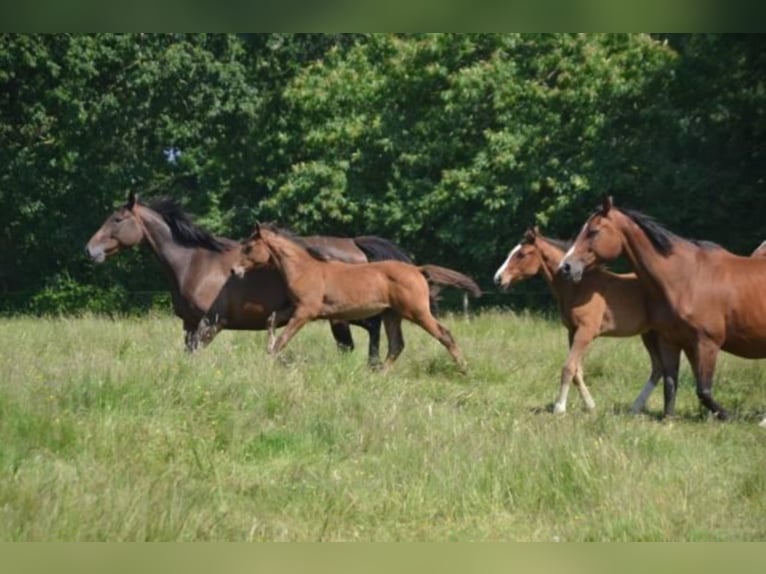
(109,431)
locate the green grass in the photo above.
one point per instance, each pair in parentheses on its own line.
(108,431)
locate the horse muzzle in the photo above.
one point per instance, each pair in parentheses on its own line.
(97,255)
(571,270)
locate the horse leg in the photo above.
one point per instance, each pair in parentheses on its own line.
(277,317)
(650,341)
(341,332)
(373,330)
(392,322)
(293,326)
(441,334)
(703,358)
(372,326)
(670,357)
(579,382)
(578,341)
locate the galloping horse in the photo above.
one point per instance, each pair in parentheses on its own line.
(198,265)
(602,304)
(322,289)
(704,298)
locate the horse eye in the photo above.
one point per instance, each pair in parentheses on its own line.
(116,218)
(591,233)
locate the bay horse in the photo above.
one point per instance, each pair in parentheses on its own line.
(603,304)
(705,299)
(327,289)
(198,266)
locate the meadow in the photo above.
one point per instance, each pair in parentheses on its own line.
(109,431)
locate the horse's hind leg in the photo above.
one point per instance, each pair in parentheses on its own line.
(443,335)
(392,322)
(572,370)
(372,326)
(341,332)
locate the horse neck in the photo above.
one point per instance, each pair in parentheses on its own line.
(551,256)
(173,257)
(291,259)
(653,270)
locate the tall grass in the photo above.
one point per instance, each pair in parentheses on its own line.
(108,431)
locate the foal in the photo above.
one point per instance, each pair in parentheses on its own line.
(603,304)
(321,289)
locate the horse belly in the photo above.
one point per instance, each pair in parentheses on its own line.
(748,347)
(351,308)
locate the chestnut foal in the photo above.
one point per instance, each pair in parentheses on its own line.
(321,289)
(603,304)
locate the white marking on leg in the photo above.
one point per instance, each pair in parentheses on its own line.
(643,396)
(762,424)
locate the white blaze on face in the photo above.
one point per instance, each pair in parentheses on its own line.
(569,252)
(502,268)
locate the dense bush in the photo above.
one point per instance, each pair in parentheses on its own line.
(449,144)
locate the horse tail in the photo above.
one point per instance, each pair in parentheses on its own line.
(450,278)
(380,249)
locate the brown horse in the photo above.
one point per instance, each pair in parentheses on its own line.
(322,289)
(198,266)
(704,298)
(602,304)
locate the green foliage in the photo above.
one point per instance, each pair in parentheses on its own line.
(109,431)
(450,144)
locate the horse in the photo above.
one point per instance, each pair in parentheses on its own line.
(324,289)
(704,298)
(602,304)
(198,265)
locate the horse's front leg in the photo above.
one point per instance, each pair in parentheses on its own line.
(572,369)
(278,317)
(651,343)
(294,325)
(702,358)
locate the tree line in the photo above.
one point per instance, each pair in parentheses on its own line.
(449,144)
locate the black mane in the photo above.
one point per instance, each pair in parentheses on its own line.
(184,230)
(659,236)
(562,244)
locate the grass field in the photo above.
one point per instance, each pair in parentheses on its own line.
(108,431)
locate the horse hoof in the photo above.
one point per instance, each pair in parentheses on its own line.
(762,424)
(559,409)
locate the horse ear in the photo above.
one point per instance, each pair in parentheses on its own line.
(607,204)
(530,234)
(132,198)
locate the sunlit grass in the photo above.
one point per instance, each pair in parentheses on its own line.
(108,431)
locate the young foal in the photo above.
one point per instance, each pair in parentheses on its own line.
(322,289)
(704,298)
(602,304)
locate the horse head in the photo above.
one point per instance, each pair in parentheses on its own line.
(599,241)
(253,253)
(121,230)
(523,261)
